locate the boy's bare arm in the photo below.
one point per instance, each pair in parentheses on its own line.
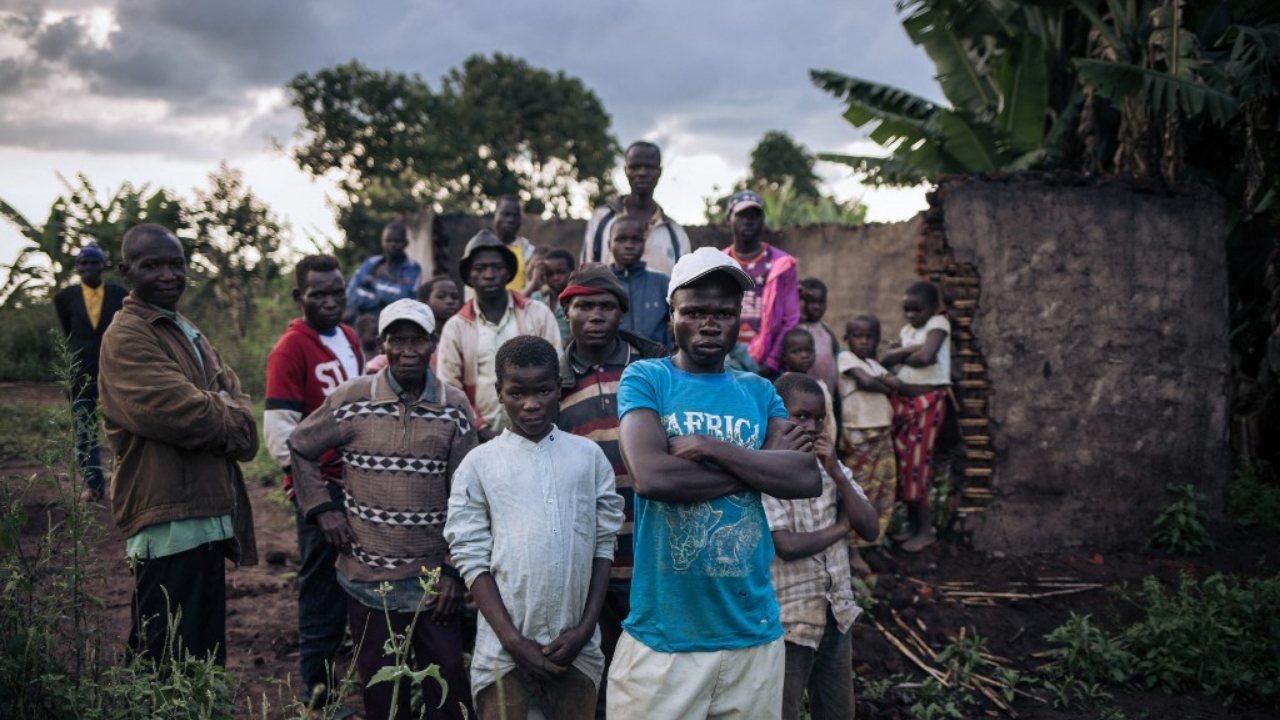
(860,513)
(566,646)
(783,468)
(790,545)
(527,654)
(657,474)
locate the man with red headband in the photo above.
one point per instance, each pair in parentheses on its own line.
(598,351)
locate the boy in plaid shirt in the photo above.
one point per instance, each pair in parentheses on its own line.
(811,570)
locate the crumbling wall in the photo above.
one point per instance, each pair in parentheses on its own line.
(866,268)
(1102,325)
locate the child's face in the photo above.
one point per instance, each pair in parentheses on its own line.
(807,410)
(444,300)
(628,243)
(862,338)
(917,309)
(798,353)
(557,275)
(531,396)
(813,305)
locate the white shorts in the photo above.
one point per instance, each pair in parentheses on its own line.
(730,684)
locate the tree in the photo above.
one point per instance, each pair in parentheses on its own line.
(496,126)
(236,242)
(76,218)
(1160,89)
(777,158)
(782,173)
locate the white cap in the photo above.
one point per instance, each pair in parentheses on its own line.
(701,263)
(412,310)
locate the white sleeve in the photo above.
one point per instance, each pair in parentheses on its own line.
(277,428)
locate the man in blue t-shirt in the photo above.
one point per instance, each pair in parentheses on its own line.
(701,444)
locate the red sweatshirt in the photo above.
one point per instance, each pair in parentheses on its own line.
(301,373)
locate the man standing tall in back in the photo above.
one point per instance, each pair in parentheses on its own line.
(179,424)
(85,312)
(665,241)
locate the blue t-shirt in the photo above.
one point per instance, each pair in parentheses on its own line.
(701,578)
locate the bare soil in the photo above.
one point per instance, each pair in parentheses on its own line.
(262,604)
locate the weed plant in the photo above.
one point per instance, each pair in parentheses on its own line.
(1254,503)
(1218,637)
(56,661)
(1180,528)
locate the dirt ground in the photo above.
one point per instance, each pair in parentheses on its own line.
(921,589)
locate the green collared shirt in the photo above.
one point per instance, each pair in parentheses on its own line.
(428,389)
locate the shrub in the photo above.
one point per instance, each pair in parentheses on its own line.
(29,350)
(1218,638)
(1254,503)
(1180,527)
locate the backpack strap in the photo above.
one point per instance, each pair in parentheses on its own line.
(597,245)
(675,242)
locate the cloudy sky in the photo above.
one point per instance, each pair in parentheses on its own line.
(161,91)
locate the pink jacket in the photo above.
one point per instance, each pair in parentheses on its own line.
(781,307)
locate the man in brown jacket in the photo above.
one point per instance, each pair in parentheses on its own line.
(178,423)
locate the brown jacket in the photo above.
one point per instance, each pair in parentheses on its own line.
(177,427)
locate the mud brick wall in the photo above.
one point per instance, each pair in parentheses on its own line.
(866,268)
(1092,330)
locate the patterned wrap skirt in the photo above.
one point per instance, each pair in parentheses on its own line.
(871,461)
(916,422)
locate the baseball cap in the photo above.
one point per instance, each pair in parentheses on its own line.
(701,263)
(744,199)
(412,310)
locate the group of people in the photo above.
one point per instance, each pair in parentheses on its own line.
(645,529)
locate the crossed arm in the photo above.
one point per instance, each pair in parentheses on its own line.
(917,355)
(676,470)
(854,512)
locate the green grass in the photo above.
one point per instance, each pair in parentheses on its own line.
(26,429)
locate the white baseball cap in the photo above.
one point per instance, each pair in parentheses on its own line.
(412,310)
(701,263)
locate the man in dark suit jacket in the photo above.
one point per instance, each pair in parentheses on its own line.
(85,311)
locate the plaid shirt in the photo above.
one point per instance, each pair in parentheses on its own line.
(806,586)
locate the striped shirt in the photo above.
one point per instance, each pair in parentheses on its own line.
(589,408)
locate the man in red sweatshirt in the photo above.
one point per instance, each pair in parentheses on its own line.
(313,357)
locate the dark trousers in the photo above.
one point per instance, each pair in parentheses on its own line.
(617,605)
(84,417)
(568,696)
(431,643)
(322,604)
(826,672)
(190,585)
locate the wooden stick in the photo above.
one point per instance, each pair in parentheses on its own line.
(1071,591)
(910,655)
(986,692)
(913,636)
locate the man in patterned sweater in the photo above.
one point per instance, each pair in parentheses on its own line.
(313,357)
(401,434)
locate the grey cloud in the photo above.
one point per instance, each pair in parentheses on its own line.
(721,71)
(56,41)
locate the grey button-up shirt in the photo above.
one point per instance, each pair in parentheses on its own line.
(535,516)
